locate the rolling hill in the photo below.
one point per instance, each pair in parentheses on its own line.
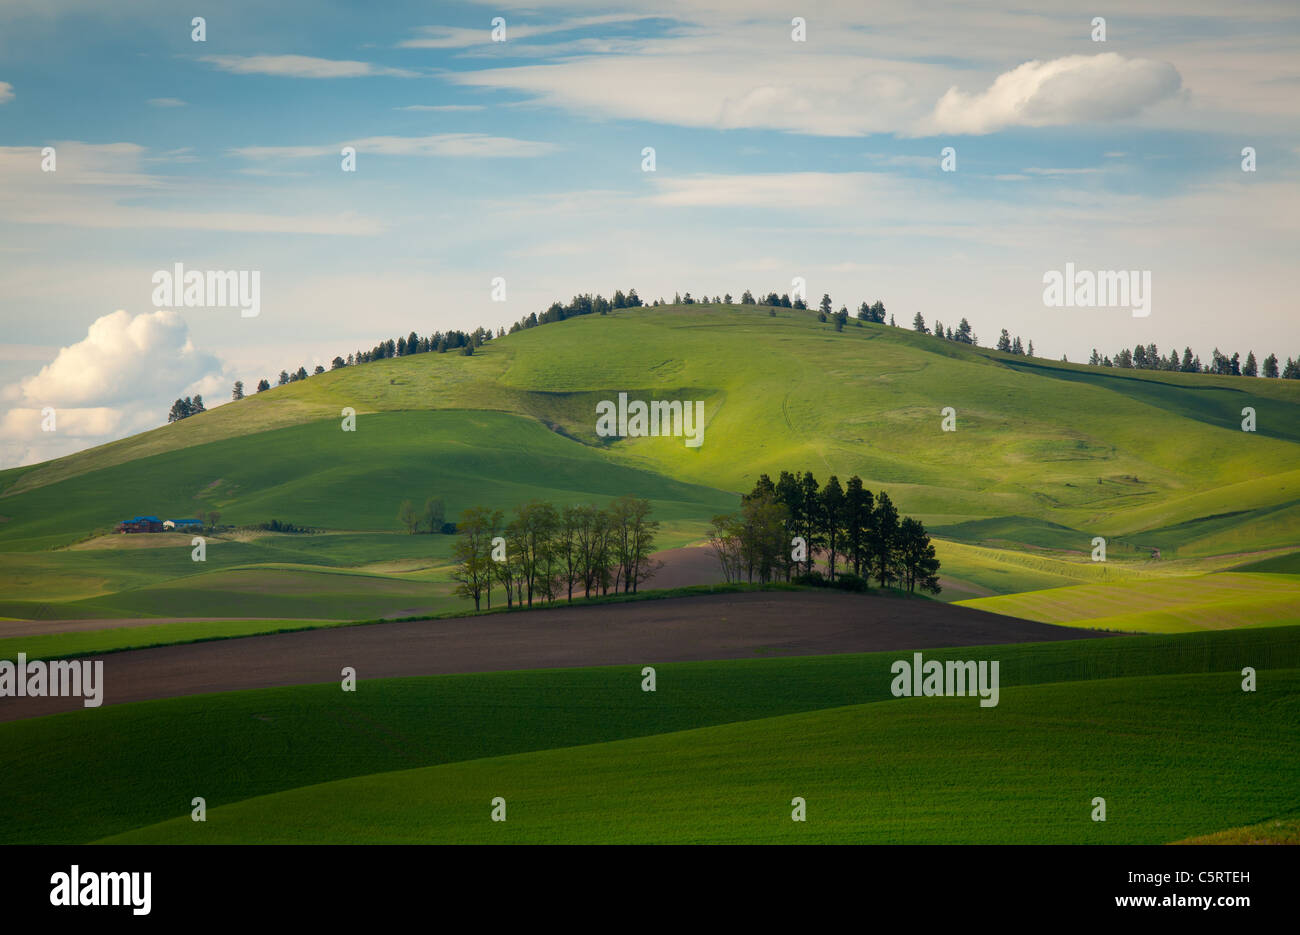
(1045,457)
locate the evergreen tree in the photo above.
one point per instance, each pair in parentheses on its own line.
(832,507)
(238,392)
(858,505)
(916,557)
(884,539)
(810,516)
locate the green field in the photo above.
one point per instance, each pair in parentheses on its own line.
(150,759)
(1046,456)
(912,772)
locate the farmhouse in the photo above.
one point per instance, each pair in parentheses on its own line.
(140,524)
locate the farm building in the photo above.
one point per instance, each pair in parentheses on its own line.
(141,524)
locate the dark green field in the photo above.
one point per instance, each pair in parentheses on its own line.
(151,758)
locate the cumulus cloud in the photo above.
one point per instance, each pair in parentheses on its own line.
(6,91)
(117,380)
(1074,89)
(122,359)
(302,66)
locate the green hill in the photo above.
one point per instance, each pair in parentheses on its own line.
(1045,457)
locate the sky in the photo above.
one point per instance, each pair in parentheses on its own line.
(782,149)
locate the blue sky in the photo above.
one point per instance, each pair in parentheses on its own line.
(522,159)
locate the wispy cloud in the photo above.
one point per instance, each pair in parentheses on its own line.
(166,102)
(1074,89)
(303,66)
(6,91)
(438,144)
(459,37)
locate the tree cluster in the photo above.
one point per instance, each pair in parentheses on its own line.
(544,552)
(838,522)
(184,408)
(585,304)
(430,519)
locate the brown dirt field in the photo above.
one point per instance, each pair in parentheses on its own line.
(685,567)
(723,626)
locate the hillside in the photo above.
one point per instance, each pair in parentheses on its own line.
(1045,457)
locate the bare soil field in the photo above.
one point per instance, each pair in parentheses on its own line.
(722,626)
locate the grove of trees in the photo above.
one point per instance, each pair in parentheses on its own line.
(837,522)
(429,519)
(184,408)
(544,552)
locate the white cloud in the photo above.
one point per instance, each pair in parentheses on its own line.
(122,359)
(1074,89)
(713,82)
(302,66)
(107,164)
(166,102)
(6,91)
(458,37)
(475,145)
(116,381)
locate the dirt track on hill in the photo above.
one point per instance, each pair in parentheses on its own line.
(724,626)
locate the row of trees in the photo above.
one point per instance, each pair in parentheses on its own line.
(545,552)
(430,519)
(1149,358)
(838,522)
(585,304)
(439,342)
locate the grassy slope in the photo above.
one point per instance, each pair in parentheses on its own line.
(317,475)
(1050,442)
(1046,456)
(1172,756)
(1171,605)
(150,759)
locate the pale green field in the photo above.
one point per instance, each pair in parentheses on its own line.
(1169,605)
